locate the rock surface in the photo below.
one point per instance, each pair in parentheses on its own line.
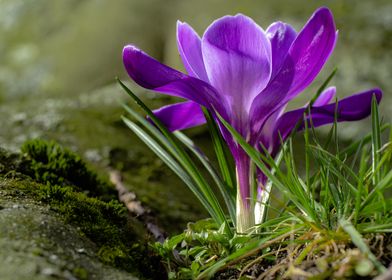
(36,243)
(59,220)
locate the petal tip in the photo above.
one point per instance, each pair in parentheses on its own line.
(326,16)
(181,24)
(130,48)
(378,93)
(323,10)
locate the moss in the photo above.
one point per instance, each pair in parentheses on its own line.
(80,273)
(57,177)
(52,164)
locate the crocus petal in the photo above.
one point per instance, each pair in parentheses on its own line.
(281,36)
(268,129)
(189,47)
(351,108)
(237,57)
(267,132)
(325,97)
(181,115)
(151,74)
(305,58)
(310,50)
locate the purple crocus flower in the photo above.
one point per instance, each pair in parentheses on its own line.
(248,76)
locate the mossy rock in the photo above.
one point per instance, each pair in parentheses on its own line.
(37,243)
(53,164)
(52,188)
(90,125)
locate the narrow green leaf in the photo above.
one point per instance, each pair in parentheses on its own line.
(326,157)
(361,179)
(356,238)
(355,146)
(224,189)
(258,158)
(323,86)
(248,250)
(376,141)
(184,160)
(385,183)
(387,227)
(170,162)
(221,151)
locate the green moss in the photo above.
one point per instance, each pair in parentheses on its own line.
(52,164)
(80,273)
(57,177)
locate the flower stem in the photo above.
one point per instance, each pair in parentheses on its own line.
(245,216)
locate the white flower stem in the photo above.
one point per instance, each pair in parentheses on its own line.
(245,216)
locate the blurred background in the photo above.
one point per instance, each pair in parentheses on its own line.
(58,61)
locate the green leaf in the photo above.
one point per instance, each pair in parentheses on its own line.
(221,151)
(171,163)
(248,250)
(214,208)
(356,238)
(222,186)
(258,158)
(323,86)
(376,141)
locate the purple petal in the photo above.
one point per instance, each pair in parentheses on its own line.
(181,115)
(237,57)
(281,36)
(311,49)
(305,58)
(352,108)
(151,74)
(268,128)
(189,47)
(325,97)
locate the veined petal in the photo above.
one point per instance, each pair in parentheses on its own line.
(237,58)
(189,47)
(151,74)
(310,50)
(281,36)
(181,115)
(265,136)
(306,56)
(352,108)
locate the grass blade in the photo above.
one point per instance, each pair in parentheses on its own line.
(221,151)
(323,86)
(258,159)
(356,238)
(224,189)
(170,162)
(376,141)
(185,161)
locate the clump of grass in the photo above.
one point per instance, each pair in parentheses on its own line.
(332,220)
